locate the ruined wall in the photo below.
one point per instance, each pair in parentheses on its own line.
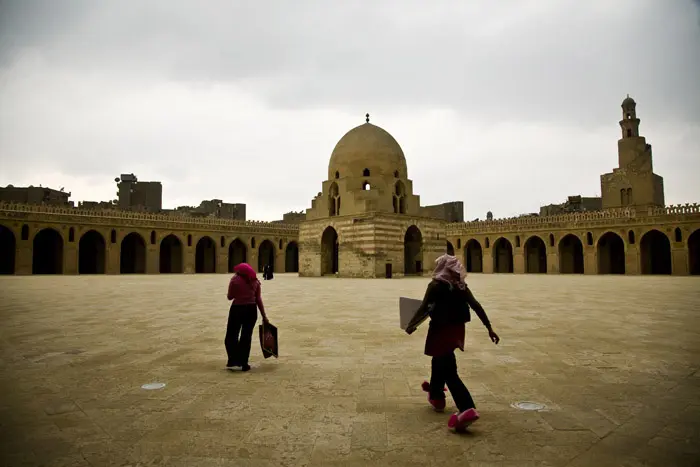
(449,212)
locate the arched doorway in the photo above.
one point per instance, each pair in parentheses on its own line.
(502,256)
(171,257)
(205,256)
(570,255)
(535,256)
(266,255)
(473,256)
(655,253)
(694,253)
(330,250)
(237,254)
(611,254)
(413,251)
(47,252)
(132,258)
(291,257)
(8,247)
(91,253)
(450,250)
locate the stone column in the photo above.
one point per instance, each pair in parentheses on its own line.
(518,260)
(70,258)
(487,260)
(679,260)
(633,260)
(152,259)
(222,260)
(590,260)
(23,258)
(552,262)
(112,254)
(188,253)
(279,260)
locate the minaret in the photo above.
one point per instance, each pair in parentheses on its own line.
(629,122)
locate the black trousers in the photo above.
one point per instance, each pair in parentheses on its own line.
(241,320)
(444,371)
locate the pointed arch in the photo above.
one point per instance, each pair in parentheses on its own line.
(413,251)
(132,254)
(473,256)
(291,257)
(655,249)
(205,256)
(535,255)
(237,253)
(330,252)
(171,256)
(47,252)
(571,255)
(266,255)
(91,253)
(502,256)
(611,254)
(8,249)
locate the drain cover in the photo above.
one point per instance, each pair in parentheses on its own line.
(152,386)
(525,405)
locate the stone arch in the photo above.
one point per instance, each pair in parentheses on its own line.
(450,249)
(611,254)
(291,257)
(47,252)
(570,255)
(330,251)
(92,253)
(205,256)
(132,256)
(171,258)
(655,250)
(266,255)
(237,253)
(413,251)
(502,256)
(694,253)
(473,256)
(535,255)
(8,248)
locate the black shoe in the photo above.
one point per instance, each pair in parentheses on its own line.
(231,364)
(245,368)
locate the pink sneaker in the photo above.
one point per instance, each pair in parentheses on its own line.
(438,404)
(460,421)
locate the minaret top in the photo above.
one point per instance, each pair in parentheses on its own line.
(367,118)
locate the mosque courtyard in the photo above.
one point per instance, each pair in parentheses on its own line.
(614,360)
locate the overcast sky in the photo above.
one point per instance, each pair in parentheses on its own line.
(506,105)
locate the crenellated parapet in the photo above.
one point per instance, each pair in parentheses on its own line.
(609,217)
(68,214)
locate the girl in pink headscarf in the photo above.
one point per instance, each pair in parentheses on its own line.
(447,301)
(244,290)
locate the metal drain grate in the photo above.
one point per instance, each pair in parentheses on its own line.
(527,405)
(152,386)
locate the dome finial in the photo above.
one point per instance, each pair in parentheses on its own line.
(367,118)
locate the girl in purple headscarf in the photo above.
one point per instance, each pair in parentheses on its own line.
(447,301)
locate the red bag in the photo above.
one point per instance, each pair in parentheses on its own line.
(268,340)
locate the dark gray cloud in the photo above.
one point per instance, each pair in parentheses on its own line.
(502,93)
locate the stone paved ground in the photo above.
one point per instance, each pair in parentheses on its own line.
(616,360)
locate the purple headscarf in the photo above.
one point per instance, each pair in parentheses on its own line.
(449,269)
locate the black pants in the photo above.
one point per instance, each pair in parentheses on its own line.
(444,371)
(241,320)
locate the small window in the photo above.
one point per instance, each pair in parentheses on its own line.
(459,243)
(396,174)
(486,242)
(71,235)
(337,174)
(517,241)
(25,232)
(223,241)
(589,239)
(629,116)
(679,236)
(189,240)
(252,242)
(551,240)
(280,244)
(629,133)
(366,186)
(365,173)
(113,236)
(630,237)
(153,237)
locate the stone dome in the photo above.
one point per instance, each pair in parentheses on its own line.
(367,147)
(628,102)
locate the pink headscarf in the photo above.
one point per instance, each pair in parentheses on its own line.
(449,269)
(246,271)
